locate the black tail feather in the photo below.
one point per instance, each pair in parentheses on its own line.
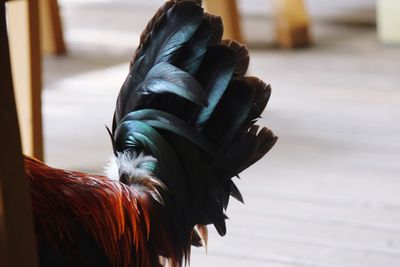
(214,75)
(192,53)
(262,93)
(241,56)
(170,30)
(230,114)
(187,102)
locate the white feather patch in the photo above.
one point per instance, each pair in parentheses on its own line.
(111,169)
(131,164)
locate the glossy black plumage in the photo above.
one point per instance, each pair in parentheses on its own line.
(187,102)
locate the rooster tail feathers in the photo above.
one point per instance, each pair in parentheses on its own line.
(144,37)
(241,56)
(186,101)
(262,93)
(266,140)
(192,53)
(230,114)
(167,32)
(214,75)
(166,78)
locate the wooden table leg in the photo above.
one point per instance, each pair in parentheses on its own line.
(227,9)
(51,32)
(26,67)
(17,238)
(292,23)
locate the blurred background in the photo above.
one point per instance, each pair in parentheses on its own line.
(328,194)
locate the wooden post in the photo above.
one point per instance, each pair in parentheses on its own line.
(292,23)
(388,20)
(26,68)
(18,246)
(51,33)
(227,9)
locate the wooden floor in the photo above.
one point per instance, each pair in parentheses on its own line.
(328,194)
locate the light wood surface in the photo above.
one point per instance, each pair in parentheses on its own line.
(292,21)
(51,32)
(18,246)
(292,26)
(26,67)
(227,9)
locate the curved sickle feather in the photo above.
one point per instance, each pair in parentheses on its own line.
(163,120)
(166,78)
(170,31)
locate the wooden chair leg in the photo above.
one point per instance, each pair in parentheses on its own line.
(51,32)
(292,23)
(26,67)
(227,9)
(17,238)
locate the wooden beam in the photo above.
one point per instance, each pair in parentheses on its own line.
(26,67)
(51,32)
(292,23)
(227,9)
(18,245)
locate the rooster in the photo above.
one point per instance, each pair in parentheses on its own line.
(184,126)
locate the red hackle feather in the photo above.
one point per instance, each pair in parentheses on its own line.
(127,223)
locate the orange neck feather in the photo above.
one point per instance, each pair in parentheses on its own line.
(128,224)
